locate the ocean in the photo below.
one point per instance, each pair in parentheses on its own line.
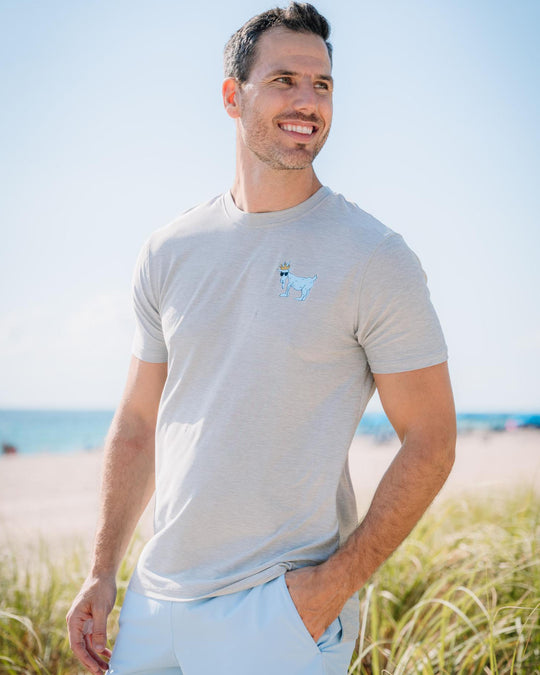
(64,431)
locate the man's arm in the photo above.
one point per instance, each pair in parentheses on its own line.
(127,485)
(420,406)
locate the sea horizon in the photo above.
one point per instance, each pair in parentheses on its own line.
(54,430)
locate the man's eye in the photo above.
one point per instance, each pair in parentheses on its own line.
(321,85)
(284,79)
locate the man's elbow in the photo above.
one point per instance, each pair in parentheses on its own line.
(442,449)
(435,448)
(448,455)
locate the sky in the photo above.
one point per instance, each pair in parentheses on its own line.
(112,124)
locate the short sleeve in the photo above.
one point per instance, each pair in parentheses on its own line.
(148,342)
(397,324)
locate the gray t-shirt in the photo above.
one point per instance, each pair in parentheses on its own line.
(272,325)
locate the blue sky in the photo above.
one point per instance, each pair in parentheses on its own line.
(112,124)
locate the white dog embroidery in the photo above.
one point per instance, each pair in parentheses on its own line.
(289,280)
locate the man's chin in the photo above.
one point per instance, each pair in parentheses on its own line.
(296,161)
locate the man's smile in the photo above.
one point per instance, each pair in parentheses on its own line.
(306,130)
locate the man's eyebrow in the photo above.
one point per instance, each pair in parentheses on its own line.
(291,73)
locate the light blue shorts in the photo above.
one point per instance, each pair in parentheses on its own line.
(256,631)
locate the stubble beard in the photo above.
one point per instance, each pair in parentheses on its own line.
(279,158)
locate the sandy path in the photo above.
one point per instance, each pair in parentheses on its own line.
(55,496)
(492,461)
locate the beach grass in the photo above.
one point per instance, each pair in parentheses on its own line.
(460,597)
(35,596)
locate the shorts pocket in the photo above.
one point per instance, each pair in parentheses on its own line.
(331,636)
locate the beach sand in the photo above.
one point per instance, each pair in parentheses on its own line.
(54,497)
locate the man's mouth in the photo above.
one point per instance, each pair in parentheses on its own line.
(305,129)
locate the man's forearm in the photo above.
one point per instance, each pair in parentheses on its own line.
(410,484)
(420,406)
(127,485)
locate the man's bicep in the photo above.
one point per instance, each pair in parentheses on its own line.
(418,401)
(142,393)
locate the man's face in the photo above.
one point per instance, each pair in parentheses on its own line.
(286,104)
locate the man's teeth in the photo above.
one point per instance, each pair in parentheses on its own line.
(299,130)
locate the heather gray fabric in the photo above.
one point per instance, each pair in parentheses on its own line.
(272,325)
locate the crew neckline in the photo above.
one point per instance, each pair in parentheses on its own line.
(269,218)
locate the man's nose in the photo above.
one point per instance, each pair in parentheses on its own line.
(305,97)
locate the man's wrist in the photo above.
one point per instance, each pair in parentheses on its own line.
(103,571)
(344,572)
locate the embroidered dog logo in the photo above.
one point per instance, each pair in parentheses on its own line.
(290,280)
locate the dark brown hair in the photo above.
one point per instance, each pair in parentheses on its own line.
(240,50)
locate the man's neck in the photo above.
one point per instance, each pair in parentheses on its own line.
(261,189)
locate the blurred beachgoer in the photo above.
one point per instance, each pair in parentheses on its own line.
(265,319)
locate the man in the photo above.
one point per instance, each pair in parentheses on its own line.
(265,318)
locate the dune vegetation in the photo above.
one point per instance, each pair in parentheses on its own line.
(460,597)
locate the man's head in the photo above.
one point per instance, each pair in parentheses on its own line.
(278,86)
(240,50)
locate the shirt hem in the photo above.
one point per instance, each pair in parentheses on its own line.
(136,585)
(416,365)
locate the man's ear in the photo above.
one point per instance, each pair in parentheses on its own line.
(230,92)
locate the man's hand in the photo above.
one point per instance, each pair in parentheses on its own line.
(318,595)
(87,622)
